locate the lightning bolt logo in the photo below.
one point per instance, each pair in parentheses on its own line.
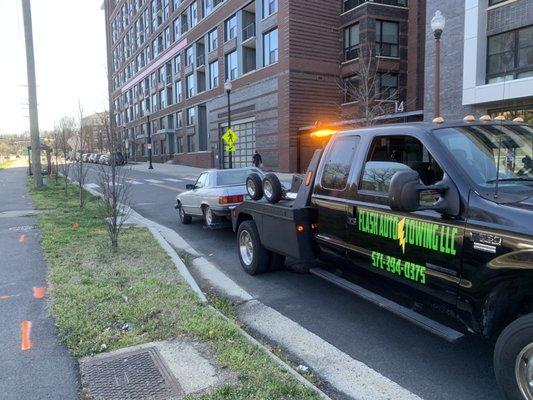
(401,233)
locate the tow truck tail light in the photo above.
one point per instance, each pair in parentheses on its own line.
(239,198)
(299,228)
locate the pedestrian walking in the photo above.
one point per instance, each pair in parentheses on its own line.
(257,161)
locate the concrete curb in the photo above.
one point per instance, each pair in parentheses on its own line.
(170,236)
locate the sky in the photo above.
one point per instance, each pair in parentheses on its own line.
(70,61)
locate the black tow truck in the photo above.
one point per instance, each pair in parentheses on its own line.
(433,222)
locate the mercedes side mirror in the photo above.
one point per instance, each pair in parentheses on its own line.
(406,193)
(190,186)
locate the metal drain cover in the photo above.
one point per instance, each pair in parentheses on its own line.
(131,375)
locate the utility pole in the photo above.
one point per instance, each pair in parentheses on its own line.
(32,96)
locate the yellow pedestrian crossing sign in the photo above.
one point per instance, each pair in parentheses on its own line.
(230,148)
(230,137)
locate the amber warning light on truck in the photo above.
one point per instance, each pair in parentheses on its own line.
(321,133)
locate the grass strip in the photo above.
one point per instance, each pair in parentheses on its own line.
(6,163)
(105,300)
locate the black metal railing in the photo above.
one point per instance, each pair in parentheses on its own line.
(200,61)
(351,53)
(248,32)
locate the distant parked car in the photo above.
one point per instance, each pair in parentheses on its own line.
(85,157)
(214,195)
(104,159)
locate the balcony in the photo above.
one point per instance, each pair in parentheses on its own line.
(248,35)
(200,62)
(351,53)
(169,79)
(349,4)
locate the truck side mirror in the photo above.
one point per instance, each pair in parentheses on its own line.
(405,189)
(190,186)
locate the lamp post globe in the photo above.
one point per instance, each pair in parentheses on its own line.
(228,86)
(437,23)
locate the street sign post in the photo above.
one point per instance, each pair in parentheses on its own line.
(230,138)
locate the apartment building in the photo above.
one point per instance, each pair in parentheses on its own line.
(95,132)
(288,62)
(496,39)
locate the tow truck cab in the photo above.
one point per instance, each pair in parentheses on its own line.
(433,222)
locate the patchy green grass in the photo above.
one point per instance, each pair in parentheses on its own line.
(6,164)
(108,300)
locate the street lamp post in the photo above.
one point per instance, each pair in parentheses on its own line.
(228,88)
(437,25)
(150,166)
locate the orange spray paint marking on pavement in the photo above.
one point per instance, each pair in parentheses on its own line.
(25,329)
(22,238)
(39,292)
(5,297)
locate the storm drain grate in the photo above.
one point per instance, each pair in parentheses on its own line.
(133,375)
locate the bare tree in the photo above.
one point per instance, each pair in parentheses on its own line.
(81,172)
(364,90)
(56,135)
(115,187)
(66,131)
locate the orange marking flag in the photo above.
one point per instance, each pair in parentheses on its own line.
(75,225)
(22,238)
(25,329)
(39,292)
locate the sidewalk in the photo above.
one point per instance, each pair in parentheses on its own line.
(185,170)
(34,363)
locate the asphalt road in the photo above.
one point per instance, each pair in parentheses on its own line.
(404,353)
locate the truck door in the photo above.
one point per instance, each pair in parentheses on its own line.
(421,250)
(330,194)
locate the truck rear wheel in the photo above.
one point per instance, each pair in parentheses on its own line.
(272,188)
(513,359)
(254,186)
(255,259)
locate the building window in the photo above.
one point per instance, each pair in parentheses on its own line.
(494,2)
(270,47)
(190,89)
(176,4)
(179,145)
(189,56)
(510,55)
(230,28)
(162,98)
(191,113)
(154,102)
(351,89)
(232,69)
(208,7)
(213,75)
(193,15)
(177,64)
(387,38)
(177,89)
(213,40)
(190,144)
(269,7)
(351,42)
(179,119)
(387,86)
(177,28)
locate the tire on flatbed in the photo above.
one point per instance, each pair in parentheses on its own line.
(254,186)
(272,189)
(254,258)
(513,347)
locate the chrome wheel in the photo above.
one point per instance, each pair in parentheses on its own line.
(524,371)
(246,247)
(250,188)
(208,216)
(267,188)
(182,213)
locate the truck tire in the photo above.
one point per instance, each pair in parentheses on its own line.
(272,188)
(254,186)
(255,259)
(513,359)
(184,217)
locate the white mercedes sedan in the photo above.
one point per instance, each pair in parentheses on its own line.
(213,196)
